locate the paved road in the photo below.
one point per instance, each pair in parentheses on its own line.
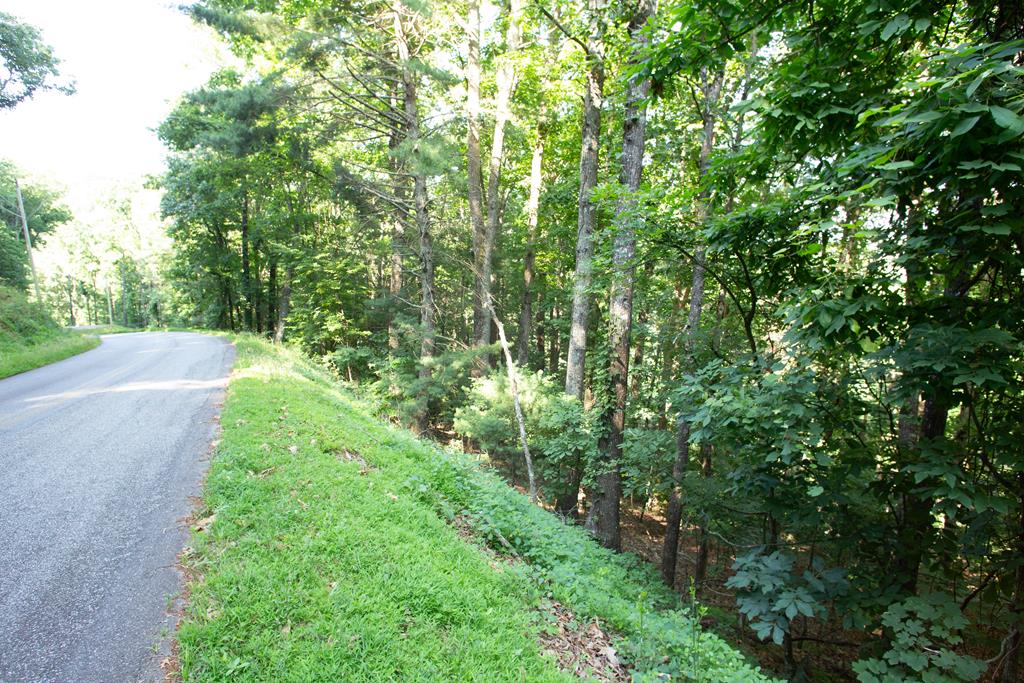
(98,456)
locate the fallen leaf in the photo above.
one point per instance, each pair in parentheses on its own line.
(205,523)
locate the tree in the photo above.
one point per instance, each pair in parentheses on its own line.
(29,65)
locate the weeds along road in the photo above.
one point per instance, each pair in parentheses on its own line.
(98,457)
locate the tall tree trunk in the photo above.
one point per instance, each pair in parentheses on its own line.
(554,342)
(1015,638)
(586,213)
(915,534)
(401,195)
(700,570)
(532,212)
(593,97)
(711,87)
(284,303)
(474,168)
(246,272)
(604,520)
(410,110)
(539,327)
(272,301)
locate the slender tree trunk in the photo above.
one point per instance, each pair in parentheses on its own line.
(71,302)
(510,368)
(604,522)
(410,110)
(1011,672)
(532,212)
(124,297)
(246,272)
(272,293)
(586,215)
(284,303)
(554,342)
(593,97)
(397,222)
(711,87)
(700,570)
(540,336)
(474,167)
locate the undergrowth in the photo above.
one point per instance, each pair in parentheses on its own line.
(29,338)
(325,553)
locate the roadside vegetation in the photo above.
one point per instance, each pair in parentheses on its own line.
(29,337)
(333,546)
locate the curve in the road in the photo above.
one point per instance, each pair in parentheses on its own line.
(99,455)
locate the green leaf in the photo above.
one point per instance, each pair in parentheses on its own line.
(897,24)
(1007,119)
(815,491)
(964,126)
(894,165)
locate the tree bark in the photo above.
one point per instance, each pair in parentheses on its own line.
(711,87)
(593,97)
(395,263)
(604,522)
(586,213)
(554,342)
(246,271)
(532,212)
(514,388)
(410,110)
(284,305)
(474,180)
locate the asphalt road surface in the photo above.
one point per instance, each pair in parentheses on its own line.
(99,455)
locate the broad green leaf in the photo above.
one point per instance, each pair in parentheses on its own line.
(1007,119)
(964,126)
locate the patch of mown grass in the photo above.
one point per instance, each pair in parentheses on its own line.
(29,338)
(112,329)
(318,567)
(63,345)
(331,557)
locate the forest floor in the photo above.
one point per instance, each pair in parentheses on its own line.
(825,651)
(332,546)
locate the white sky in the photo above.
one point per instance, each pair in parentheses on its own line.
(131,60)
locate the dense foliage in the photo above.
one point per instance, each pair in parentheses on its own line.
(759,265)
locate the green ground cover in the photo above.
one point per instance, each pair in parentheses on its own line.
(29,338)
(325,551)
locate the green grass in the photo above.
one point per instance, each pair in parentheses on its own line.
(29,338)
(14,360)
(317,568)
(320,567)
(112,329)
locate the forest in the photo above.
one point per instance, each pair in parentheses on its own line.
(735,286)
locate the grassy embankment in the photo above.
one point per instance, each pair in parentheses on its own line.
(333,547)
(29,338)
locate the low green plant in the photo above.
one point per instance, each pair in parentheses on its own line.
(925,630)
(771,595)
(29,337)
(331,557)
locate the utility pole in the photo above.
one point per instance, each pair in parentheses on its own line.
(28,240)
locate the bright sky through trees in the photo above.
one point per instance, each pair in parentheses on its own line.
(130,59)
